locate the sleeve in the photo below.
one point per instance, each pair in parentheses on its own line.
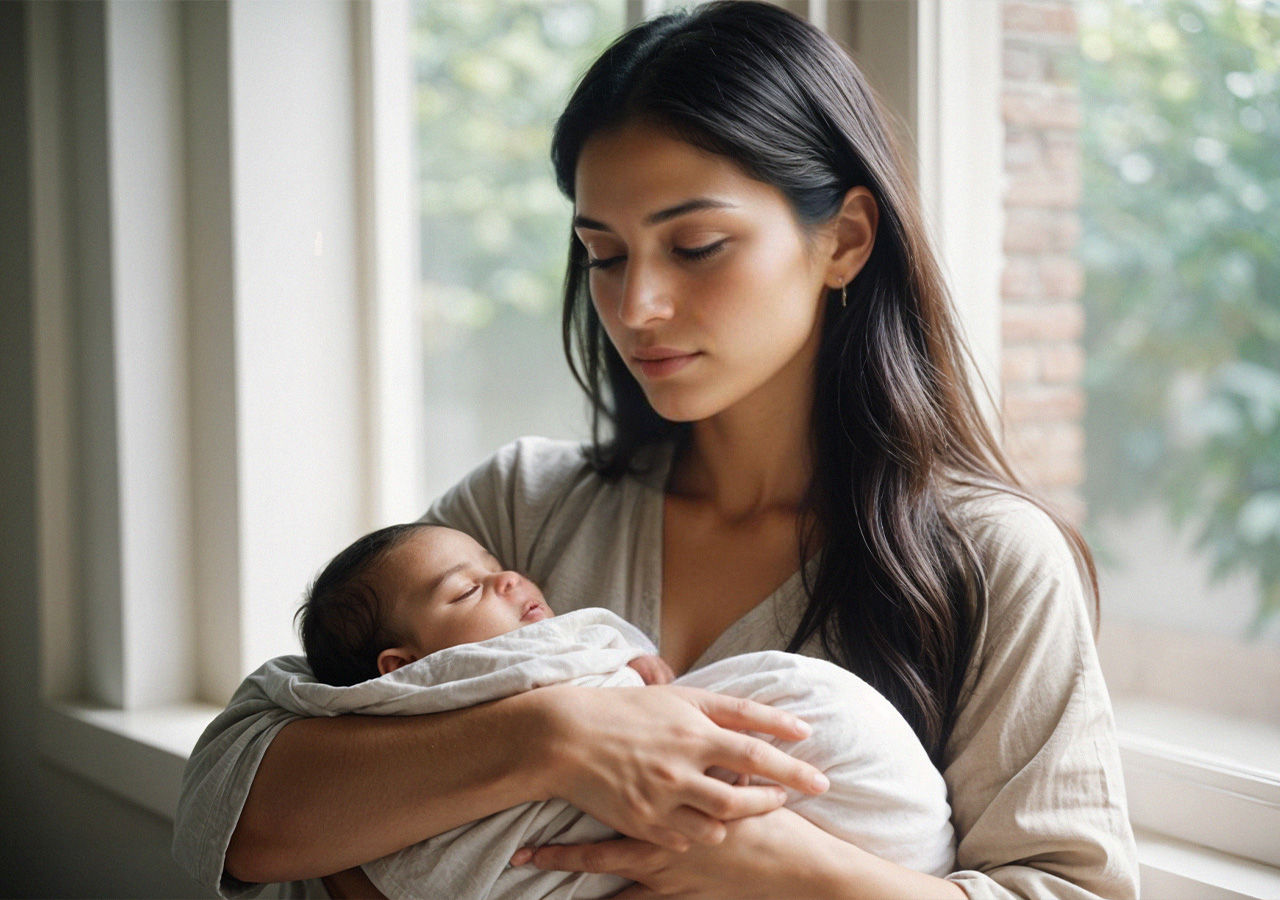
(508,502)
(216,782)
(1032,765)
(495,503)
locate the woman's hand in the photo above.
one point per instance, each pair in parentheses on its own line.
(775,854)
(761,856)
(637,758)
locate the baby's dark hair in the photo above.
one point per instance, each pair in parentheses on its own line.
(343,622)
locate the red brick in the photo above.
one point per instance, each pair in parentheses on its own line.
(1020,279)
(1043,403)
(1044,188)
(1045,109)
(1062,151)
(1062,363)
(1023,149)
(1059,321)
(1066,231)
(1049,440)
(1061,277)
(1023,63)
(1019,365)
(1045,473)
(1028,231)
(1048,19)
(1051,469)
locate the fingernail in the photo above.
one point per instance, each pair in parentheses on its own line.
(820,782)
(521,856)
(803,728)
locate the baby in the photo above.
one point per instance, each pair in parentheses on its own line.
(405,591)
(416,619)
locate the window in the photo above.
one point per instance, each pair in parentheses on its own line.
(489,79)
(1181,118)
(209,344)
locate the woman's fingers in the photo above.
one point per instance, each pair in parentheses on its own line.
(625,857)
(752,756)
(667,837)
(695,826)
(738,714)
(722,802)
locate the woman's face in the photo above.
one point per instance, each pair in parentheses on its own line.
(706,283)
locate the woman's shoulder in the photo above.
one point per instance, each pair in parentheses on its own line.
(535,468)
(1031,569)
(532,493)
(526,468)
(1009,530)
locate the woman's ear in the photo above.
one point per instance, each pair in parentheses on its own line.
(393,658)
(854,232)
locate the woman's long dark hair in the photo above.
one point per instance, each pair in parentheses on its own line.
(899,593)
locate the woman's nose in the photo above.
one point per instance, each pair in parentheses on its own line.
(646,296)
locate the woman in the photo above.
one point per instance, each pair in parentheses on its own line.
(787,455)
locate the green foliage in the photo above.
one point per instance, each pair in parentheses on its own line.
(1181,245)
(491,77)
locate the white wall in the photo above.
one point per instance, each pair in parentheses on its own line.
(60,836)
(180,239)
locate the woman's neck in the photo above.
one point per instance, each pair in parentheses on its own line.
(745,462)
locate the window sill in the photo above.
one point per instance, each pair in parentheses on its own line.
(137,755)
(1176,870)
(1202,779)
(140,756)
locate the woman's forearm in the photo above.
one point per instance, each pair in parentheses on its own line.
(836,870)
(337,792)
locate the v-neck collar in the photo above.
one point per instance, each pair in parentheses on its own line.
(653,542)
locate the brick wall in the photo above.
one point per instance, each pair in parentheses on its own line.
(1042,314)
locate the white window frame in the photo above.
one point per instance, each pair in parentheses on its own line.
(223,335)
(1205,823)
(176,405)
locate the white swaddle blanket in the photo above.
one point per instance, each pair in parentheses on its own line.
(885,796)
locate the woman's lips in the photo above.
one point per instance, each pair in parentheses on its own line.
(662,364)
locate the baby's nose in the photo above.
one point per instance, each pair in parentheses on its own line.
(506,581)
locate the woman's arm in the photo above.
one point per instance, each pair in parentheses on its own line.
(1032,763)
(332,793)
(775,854)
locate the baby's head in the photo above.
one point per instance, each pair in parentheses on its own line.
(405,591)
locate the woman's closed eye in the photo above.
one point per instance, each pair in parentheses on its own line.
(706,251)
(606,262)
(693,254)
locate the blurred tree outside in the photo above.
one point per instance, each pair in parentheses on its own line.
(1181,248)
(490,78)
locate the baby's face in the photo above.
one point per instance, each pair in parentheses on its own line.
(445,589)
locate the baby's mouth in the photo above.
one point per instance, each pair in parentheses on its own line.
(534,612)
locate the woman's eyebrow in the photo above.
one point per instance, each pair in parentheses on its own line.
(662,215)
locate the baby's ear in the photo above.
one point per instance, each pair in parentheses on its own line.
(393,658)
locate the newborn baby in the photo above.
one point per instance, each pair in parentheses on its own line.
(406,591)
(417,619)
